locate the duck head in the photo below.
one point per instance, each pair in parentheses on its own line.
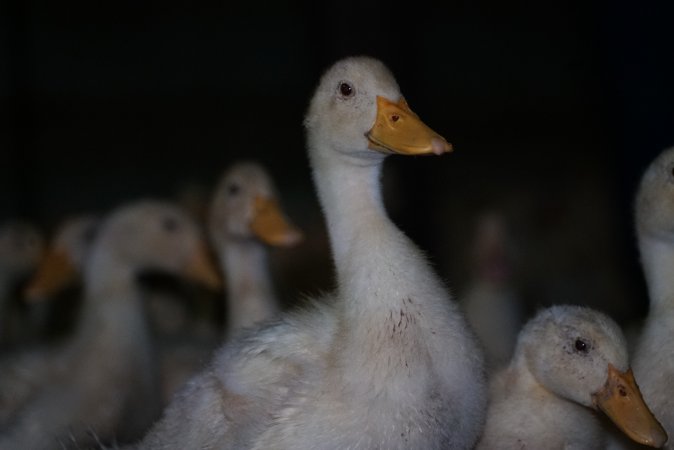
(581,355)
(245,206)
(358,110)
(157,236)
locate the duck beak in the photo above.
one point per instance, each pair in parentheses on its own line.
(399,130)
(270,225)
(55,272)
(621,400)
(201,269)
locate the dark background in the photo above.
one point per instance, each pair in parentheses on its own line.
(554,109)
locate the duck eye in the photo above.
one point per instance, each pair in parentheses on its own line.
(233,189)
(345,89)
(581,346)
(170,224)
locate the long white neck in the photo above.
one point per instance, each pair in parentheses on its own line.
(369,251)
(657,259)
(390,300)
(113,314)
(250,294)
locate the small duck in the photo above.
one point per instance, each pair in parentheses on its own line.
(570,361)
(245,218)
(387,360)
(103,386)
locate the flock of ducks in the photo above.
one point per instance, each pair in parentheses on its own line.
(388,360)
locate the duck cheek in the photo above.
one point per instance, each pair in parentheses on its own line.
(620,399)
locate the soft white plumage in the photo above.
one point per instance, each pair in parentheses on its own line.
(387,361)
(546,397)
(654,351)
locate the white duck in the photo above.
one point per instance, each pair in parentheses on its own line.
(388,360)
(106,380)
(569,361)
(493,305)
(21,246)
(245,218)
(654,351)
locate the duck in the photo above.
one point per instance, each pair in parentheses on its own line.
(491,299)
(182,346)
(654,227)
(245,219)
(386,359)
(570,361)
(21,246)
(104,388)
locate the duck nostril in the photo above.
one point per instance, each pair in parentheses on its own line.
(622,391)
(395,117)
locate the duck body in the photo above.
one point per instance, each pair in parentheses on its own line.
(386,361)
(654,350)
(400,354)
(536,418)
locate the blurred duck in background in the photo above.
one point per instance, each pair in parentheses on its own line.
(245,220)
(102,385)
(492,303)
(570,361)
(21,247)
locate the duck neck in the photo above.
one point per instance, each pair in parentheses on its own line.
(657,258)
(113,312)
(385,287)
(350,194)
(250,295)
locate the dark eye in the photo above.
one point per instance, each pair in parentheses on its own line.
(345,89)
(233,189)
(170,224)
(581,346)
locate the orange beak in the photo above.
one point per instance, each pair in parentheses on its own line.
(55,273)
(397,129)
(271,226)
(621,400)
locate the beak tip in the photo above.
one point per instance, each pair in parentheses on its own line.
(440,146)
